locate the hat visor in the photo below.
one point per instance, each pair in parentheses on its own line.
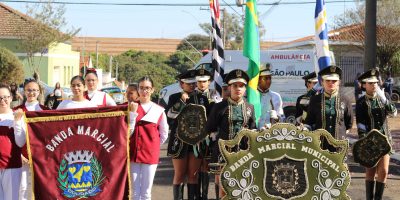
(189,80)
(236,80)
(370,80)
(265,73)
(331,77)
(312,80)
(202,78)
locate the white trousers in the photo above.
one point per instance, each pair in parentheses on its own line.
(25,190)
(142,176)
(10,180)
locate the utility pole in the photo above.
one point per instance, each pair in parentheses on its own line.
(116,71)
(370,35)
(97,54)
(110,65)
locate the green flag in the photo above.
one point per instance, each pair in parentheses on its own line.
(251,50)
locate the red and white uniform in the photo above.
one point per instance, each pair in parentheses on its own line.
(99,98)
(12,138)
(150,130)
(25,190)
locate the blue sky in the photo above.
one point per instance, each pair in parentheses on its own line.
(283,23)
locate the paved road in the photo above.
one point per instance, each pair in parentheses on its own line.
(162,189)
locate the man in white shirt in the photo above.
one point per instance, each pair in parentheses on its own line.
(271,102)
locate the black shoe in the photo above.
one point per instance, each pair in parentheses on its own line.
(369,190)
(178,191)
(199,183)
(192,192)
(379,187)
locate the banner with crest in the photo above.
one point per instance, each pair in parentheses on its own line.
(284,162)
(79,153)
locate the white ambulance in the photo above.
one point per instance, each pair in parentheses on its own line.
(287,66)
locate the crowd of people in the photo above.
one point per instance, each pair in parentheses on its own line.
(151,125)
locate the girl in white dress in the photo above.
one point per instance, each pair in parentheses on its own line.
(92,94)
(78,100)
(12,138)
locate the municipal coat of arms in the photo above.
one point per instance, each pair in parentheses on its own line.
(80,175)
(284,162)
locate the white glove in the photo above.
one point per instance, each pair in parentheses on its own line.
(381,94)
(213,136)
(273,114)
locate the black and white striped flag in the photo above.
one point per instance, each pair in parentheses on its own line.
(218,47)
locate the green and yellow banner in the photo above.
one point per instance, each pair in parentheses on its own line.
(251,50)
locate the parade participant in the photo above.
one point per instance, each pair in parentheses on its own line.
(132,93)
(203,82)
(16,96)
(12,138)
(271,102)
(31,92)
(372,111)
(58,95)
(186,158)
(303,100)
(92,94)
(150,130)
(330,110)
(78,99)
(229,116)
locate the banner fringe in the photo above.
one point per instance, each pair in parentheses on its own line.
(76,116)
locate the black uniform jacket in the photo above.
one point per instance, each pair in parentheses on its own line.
(336,126)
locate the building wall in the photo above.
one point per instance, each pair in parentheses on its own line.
(63,64)
(59,64)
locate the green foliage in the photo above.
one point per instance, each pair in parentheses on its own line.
(194,42)
(133,65)
(183,60)
(11,69)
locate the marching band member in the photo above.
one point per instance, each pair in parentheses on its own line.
(132,93)
(78,99)
(229,116)
(271,102)
(330,110)
(304,100)
(92,94)
(372,111)
(31,91)
(12,138)
(203,78)
(186,158)
(150,131)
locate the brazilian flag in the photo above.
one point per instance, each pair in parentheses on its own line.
(251,50)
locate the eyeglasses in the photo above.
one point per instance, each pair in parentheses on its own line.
(145,88)
(32,91)
(4,98)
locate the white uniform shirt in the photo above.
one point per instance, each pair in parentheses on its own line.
(76,104)
(266,99)
(97,97)
(33,106)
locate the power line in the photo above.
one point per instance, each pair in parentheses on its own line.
(169,4)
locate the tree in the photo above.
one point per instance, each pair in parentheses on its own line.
(388,30)
(183,60)
(47,29)
(133,65)
(194,42)
(11,69)
(232,30)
